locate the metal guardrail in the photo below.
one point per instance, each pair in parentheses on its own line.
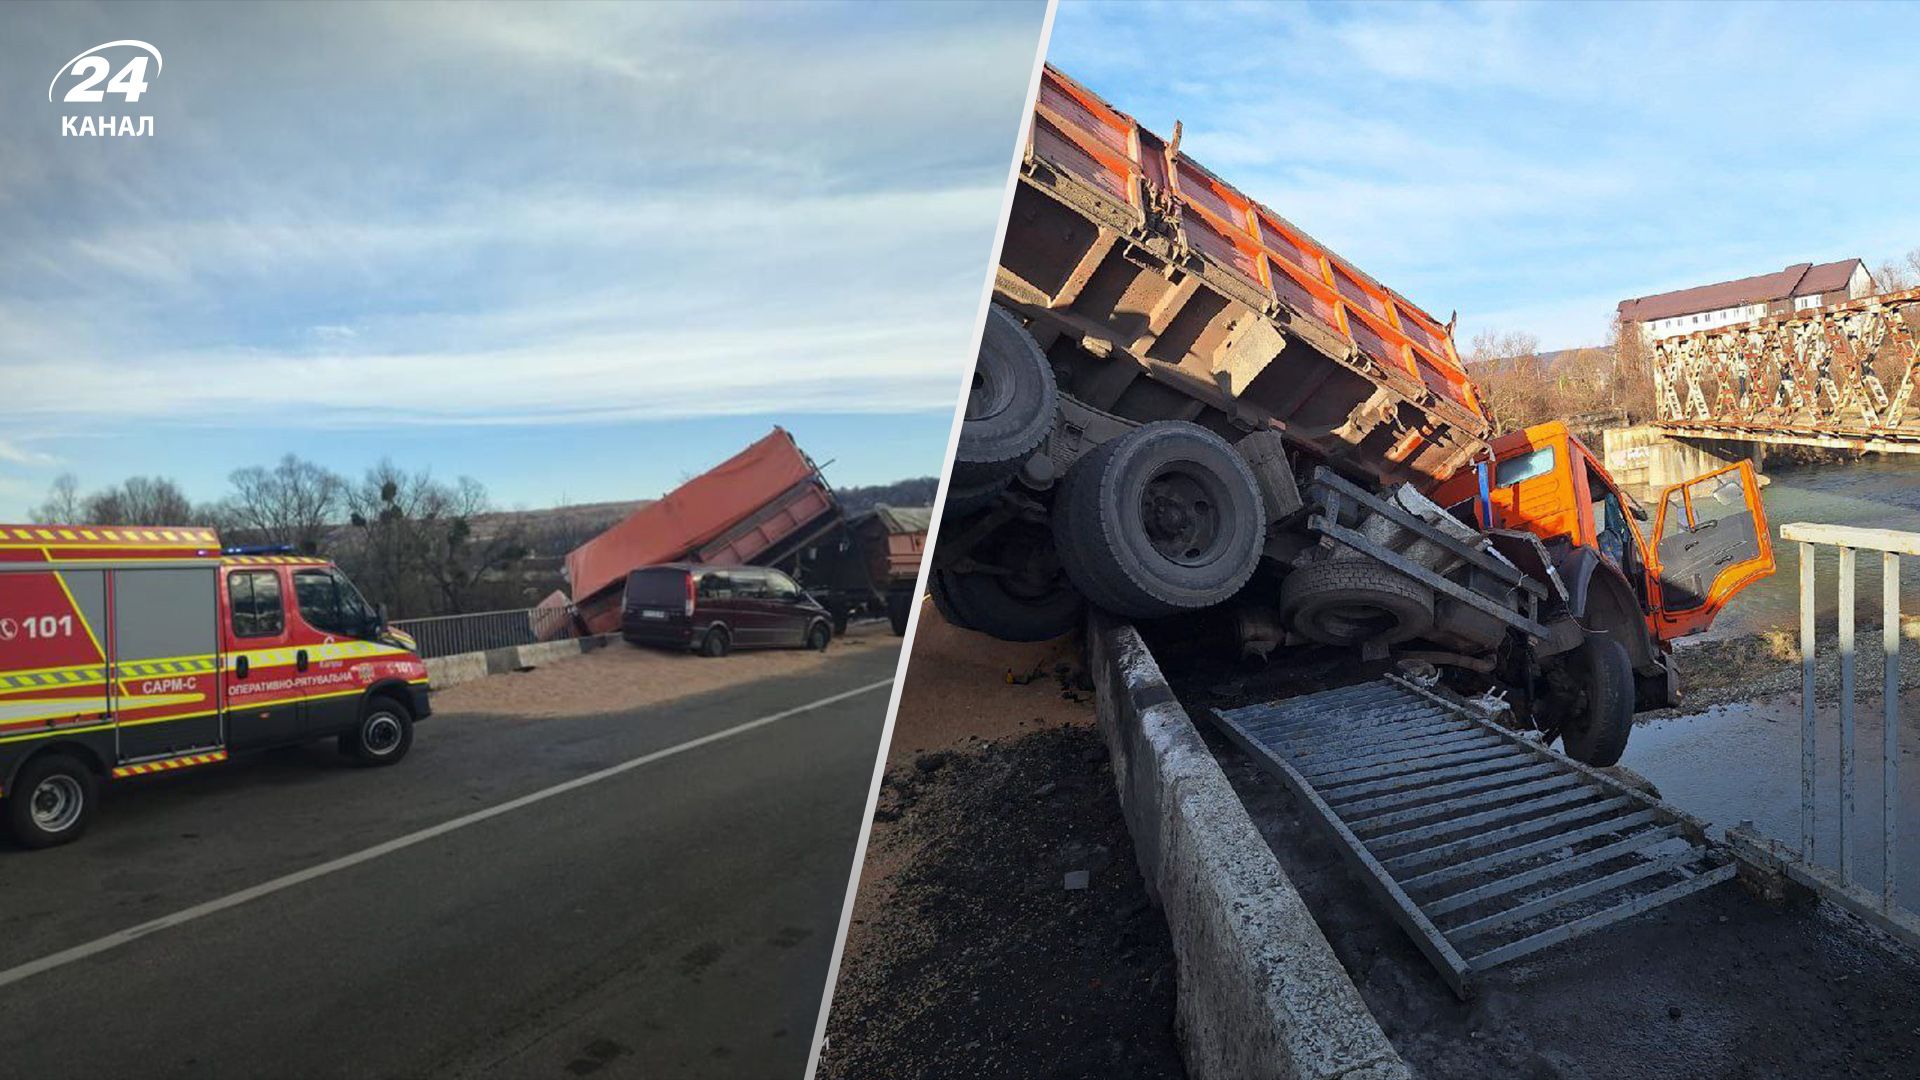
(1885,909)
(445,635)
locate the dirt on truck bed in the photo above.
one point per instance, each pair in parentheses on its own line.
(968,955)
(1716,985)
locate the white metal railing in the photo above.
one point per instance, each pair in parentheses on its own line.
(445,635)
(1885,909)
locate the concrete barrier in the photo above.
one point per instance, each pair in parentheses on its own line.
(1260,993)
(445,671)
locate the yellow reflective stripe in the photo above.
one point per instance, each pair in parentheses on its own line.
(55,732)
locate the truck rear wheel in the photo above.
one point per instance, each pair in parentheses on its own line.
(943,600)
(899,607)
(963,500)
(1163,519)
(52,801)
(1011,405)
(1596,715)
(999,606)
(1354,601)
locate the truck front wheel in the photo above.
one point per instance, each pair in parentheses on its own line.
(383,736)
(51,801)
(1163,519)
(1594,704)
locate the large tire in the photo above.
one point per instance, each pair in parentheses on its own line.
(1354,601)
(1163,519)
(1011,406)
(988,604)
(963,501)
(1594,729)
(384,734)
(943,600)
(52,801)
(899,608)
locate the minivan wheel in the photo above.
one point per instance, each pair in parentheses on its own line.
(818,636)
(716,643)
(1163,519)
(51,801)
(1010,407)
(383,736)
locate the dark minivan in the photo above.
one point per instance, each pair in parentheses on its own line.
(715,609)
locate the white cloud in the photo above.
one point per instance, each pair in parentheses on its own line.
(15,454)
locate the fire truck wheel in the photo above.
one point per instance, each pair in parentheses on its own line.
(1351,601)
(384,735)
(818,637)
(1011,406)
(1163,519)
(52,801)
(716,643)
(1595,727)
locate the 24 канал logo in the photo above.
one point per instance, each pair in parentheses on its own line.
(85,74)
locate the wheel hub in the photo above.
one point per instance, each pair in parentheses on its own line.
(1180,516)
(56,803)
(383,734)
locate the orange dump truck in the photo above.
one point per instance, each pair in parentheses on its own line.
(1182,401)
(762,506)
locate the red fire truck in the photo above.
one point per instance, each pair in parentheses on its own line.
(131,651)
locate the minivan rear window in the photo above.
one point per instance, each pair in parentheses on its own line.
(661,587)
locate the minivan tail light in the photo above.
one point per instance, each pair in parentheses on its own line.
(689,612)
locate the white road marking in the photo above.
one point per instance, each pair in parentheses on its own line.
(133,933)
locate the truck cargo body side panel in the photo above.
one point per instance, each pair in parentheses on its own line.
(689,517)
(1124,252)
(53,664)
(165,661)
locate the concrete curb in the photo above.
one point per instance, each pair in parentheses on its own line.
(445,671)
(1260,992)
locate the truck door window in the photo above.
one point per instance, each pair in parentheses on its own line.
(254,596)
(330,604)
(1525,467)
(1705,527)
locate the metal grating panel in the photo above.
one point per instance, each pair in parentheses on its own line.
(1484,846)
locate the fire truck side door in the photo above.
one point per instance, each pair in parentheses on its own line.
(165,650)
(1709,542)
(263,706)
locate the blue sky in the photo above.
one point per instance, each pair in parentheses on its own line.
(576,252)
(1533,165)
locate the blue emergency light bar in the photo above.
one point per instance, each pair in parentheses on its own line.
(259,549)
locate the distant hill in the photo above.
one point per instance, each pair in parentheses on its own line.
(916,492)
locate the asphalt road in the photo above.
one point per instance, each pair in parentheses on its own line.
(673,920)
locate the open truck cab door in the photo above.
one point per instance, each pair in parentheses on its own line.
(1709,542)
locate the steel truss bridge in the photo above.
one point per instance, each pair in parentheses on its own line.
(1840,376)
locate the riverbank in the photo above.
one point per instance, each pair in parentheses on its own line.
(1731,671)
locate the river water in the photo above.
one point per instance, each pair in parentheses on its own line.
(1742,761)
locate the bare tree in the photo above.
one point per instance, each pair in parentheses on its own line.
(417,549)
(141,500)
(293,503)
(63,505)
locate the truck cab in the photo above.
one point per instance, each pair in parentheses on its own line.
(1680,565)
(126,652)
